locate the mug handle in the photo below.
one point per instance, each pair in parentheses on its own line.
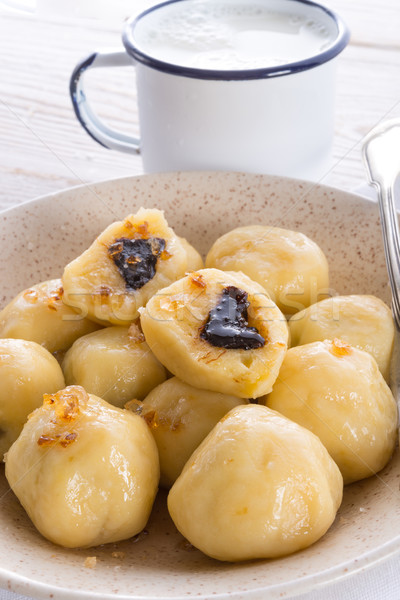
(99,131)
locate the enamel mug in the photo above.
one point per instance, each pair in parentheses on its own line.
(238,85)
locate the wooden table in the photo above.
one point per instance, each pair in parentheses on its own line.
(44,149)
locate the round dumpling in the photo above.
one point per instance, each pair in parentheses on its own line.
(114,363)
(85,471)
(289,265)
(219,331)
(180,416)
(194,260)
(27,371)
(124,267)
(258,486)
(40,315)
(362,321)
(338,392)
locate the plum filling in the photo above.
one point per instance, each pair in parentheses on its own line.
(227,324)
(136,260)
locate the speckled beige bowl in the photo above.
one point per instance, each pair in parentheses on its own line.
(38,238)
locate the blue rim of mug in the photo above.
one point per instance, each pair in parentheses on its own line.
(340,42)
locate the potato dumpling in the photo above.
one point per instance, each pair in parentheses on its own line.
(114,363)
(124,267)
(27,371)
(180,416)
(85,472)
(258,486)
(291,267)
(338,392)
(194,260)
(218,331)
(362,321)
(40,315)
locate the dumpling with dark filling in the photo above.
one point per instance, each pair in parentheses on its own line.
(126,265)
(219,331)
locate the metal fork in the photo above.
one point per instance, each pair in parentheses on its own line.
(381,153)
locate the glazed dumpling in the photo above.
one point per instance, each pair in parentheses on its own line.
(288,264)
(124,267)
(114,363)
(180,416)
(258,486)
(27,371)
(338,392)
(40,315)
(362,321)
(219,331)
(85,472)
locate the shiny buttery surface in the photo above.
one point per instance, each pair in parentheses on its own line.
(160,564)
(98,483)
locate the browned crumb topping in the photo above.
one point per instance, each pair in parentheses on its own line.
(54,297)
(90,562)
(128,224)
(197,279)
(142,230)
(135,332)
(130,260)
(165,255)
(154,421)
(66,402)
(31,296)
(151,419)
(115,249)
(134,405)
(64,439)
(340,349)
(138,230)
(104,291)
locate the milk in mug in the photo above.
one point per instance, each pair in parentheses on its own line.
(228,85)
(231,35)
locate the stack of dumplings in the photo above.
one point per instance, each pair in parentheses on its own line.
(240,384)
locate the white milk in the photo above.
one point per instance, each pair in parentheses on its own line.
(232,34)
(230,85)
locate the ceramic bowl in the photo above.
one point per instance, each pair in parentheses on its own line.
(38,238)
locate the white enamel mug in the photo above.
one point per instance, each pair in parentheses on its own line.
(257,112)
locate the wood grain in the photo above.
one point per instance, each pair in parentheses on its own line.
(44,149)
